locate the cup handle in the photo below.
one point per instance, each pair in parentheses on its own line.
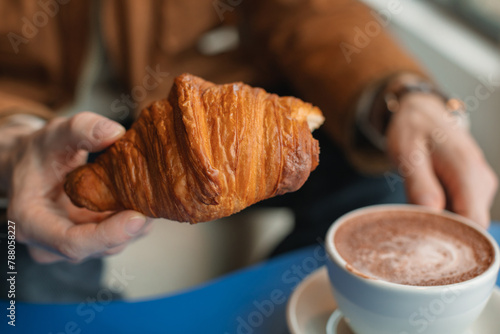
(333,322)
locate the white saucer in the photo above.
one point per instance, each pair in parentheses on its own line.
(311,305)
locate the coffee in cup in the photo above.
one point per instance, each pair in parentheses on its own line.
(413,248)
(407,269)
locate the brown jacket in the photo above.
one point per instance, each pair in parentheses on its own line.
(328,50)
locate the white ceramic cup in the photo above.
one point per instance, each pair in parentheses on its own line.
(373,306)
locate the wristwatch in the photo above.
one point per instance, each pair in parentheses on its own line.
(378,103)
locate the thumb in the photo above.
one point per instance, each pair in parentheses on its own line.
(86,131)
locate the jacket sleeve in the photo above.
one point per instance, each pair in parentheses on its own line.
(330,51)
(14,104)
(40,57)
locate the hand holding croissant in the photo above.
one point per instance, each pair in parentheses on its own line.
(207,152)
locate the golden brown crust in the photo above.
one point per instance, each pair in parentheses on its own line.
(207,152)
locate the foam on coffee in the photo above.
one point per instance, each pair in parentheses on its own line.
(413,248)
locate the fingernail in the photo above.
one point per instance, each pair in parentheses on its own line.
(135,224)
(107,129)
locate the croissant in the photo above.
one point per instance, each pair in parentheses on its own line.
(206,152)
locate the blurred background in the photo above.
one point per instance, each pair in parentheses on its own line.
(457,40)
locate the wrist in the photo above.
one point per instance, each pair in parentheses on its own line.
(376,112)
(388,100)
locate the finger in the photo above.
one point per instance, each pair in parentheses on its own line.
(54,233)
(467,201)
(112,251)
(421,183)
(470,182)
(88,239)
(44,256)
(85,131)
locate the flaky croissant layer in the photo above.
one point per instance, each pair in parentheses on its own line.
(207,152)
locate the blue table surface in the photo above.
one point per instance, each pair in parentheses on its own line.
(251,300)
